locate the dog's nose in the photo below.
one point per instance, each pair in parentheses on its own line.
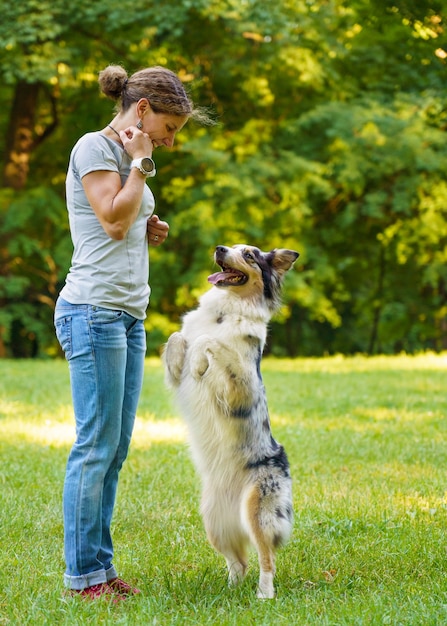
(221,249)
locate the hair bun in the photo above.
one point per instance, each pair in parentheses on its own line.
(112,81)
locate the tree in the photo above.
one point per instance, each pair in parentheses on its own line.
(331,119)
(49,53)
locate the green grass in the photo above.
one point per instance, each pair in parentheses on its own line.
(367,442)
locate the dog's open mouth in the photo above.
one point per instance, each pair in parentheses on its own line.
(229,276)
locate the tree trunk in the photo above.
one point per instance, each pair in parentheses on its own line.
(377,303)
(20,139)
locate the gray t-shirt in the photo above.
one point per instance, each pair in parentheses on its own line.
(105,272)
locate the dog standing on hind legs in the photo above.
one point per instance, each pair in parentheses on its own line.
(213,364)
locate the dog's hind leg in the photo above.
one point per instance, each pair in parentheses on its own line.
(237,568)
(264,545)
(229,542)
(235,557)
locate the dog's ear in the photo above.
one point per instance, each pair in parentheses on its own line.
(282,259)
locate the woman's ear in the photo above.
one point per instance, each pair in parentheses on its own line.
(143,107)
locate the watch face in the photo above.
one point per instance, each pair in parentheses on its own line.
(147,164)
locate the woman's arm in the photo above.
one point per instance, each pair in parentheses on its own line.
(116,207)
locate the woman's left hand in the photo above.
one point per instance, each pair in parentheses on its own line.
(157,231)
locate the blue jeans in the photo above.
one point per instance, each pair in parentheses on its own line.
(105,350)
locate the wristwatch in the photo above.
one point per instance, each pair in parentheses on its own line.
(145,165)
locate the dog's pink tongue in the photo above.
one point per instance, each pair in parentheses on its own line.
(217,277)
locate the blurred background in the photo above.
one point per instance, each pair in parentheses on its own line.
(331,139)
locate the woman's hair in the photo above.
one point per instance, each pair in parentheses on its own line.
(162,88)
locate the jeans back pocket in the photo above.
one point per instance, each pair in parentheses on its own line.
(63,327)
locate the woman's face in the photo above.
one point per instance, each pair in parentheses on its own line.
(162,127)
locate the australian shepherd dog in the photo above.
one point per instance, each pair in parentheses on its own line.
(213,364)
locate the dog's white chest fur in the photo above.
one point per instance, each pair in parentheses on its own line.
(221,385)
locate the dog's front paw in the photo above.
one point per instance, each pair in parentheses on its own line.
(201,355)
(199,364)
(174,358)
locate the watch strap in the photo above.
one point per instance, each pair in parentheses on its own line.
(138,163)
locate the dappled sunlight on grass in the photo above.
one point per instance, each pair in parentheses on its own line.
(341,364)
(376,420)
(361,420)
(420,504)
(41,412)
(54,434)
(148,432)
(17,409)
(34,424)
(59,434)
(387,414)
(401,472)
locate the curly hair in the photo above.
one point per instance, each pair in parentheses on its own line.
(162,88)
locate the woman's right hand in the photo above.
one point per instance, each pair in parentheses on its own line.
(136,143)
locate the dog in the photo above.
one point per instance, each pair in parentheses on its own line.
(213,365)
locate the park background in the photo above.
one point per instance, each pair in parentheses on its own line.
(330,139)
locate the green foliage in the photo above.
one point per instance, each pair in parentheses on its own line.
(380,223)
(33,231)
(330,140)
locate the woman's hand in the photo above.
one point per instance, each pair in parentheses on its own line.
(157,231)
(136,143)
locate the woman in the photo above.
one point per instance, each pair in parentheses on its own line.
(100,311)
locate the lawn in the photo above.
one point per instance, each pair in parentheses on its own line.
(367,442)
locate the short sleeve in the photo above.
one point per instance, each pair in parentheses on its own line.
(94,153)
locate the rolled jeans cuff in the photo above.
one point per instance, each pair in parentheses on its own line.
(111,573)
(78,583)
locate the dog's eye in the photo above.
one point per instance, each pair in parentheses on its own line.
(248,256)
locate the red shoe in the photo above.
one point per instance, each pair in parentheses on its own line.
(103,590)
(119,586)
